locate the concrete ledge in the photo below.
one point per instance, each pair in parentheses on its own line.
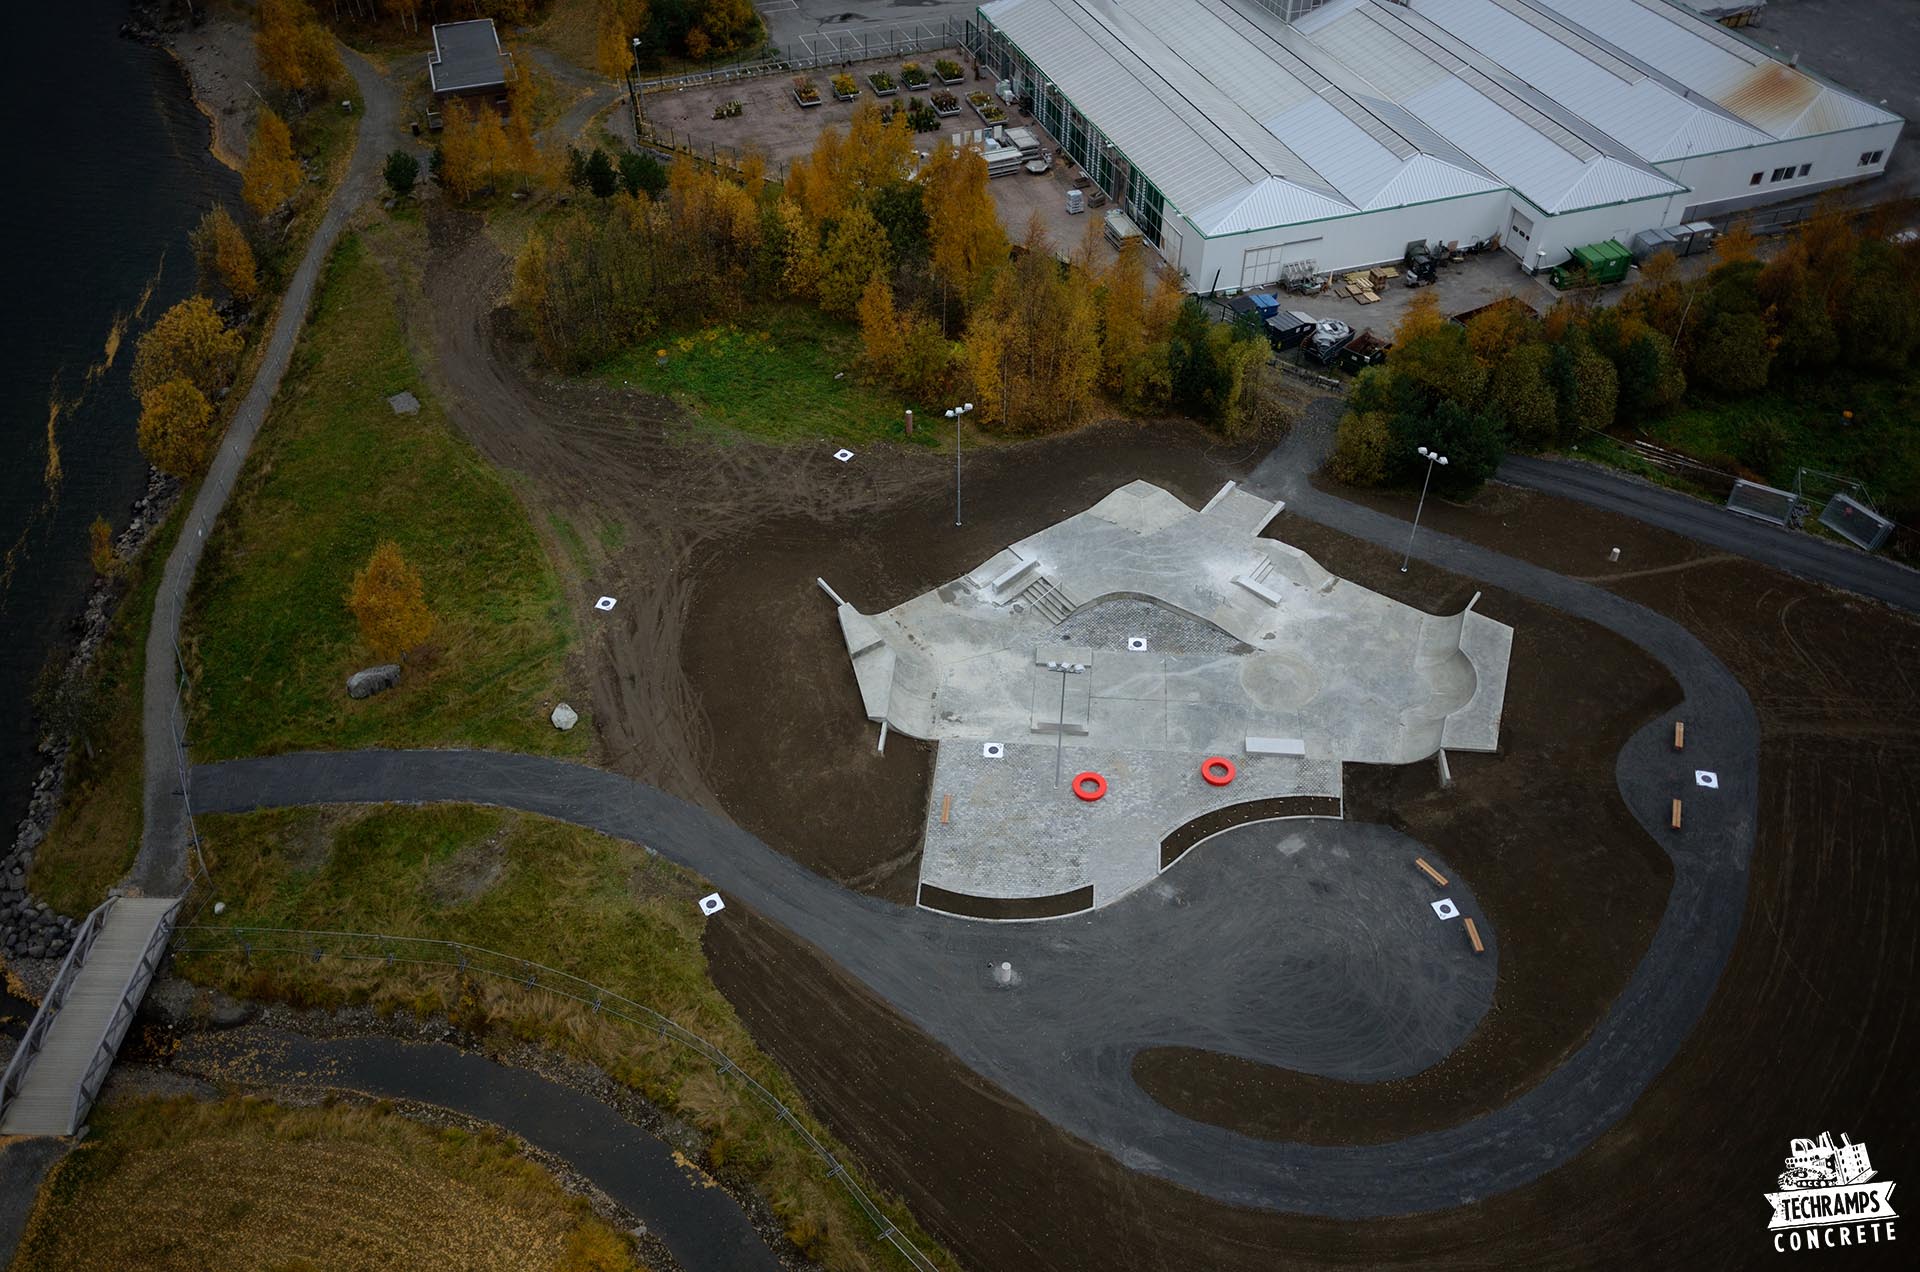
(1259,589)
(1218,495)
(1276,746)
(1015,573)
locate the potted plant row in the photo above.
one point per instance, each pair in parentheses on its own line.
(845,87)
(733,110)
(805,91)
(948,70)
(945,104)
(986,106)
(914,77)
(883,84)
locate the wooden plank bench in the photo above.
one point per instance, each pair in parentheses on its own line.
(1676,814)
(1430,872)
(946,809)
(1473,934)
(1679,735)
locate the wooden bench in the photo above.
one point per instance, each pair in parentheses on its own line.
(1473,934)
(946,809)
(1676,814)
(1430,872)
(1679,735)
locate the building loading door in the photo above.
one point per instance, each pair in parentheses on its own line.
(1260,266)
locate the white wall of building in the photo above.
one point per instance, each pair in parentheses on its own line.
(1724,181)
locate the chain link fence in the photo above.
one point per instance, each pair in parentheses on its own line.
(248,943)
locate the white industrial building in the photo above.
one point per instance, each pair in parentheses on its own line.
(1244,136)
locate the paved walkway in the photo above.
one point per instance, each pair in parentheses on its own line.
(160,868)
(1082,1001)
(1796,552)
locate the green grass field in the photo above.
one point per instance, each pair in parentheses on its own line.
(245,1184)
(774,378)
(333,472)
(602,909)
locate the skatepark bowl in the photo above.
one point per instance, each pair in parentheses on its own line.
(1137,640)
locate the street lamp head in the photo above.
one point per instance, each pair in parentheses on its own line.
(1442,461)
(951,412)
(967,407)
(1424,453)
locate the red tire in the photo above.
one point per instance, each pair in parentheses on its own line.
(1218,770)
(1089,786)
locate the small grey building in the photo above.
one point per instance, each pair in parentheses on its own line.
(468,62)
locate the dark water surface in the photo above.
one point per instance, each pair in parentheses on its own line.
(109,171)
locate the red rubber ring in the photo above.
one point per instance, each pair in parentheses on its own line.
(1213,762)
(1081,783)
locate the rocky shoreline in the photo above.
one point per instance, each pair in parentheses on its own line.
(29,928)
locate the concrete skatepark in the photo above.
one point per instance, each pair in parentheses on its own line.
(1136,639)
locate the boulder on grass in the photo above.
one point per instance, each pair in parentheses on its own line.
(565,717)
(364,684)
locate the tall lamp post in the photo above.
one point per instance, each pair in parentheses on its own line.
(633,92)
(955,414)
(1432,457)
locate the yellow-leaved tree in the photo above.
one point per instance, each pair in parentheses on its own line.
(857,250)
(964,236)
(883,339)
(176,428)
(100,547)
(388,600)
(296,53)
(271,175)
(188,342)
(619,22)
(221,250)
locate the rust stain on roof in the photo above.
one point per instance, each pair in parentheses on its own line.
(1771,89)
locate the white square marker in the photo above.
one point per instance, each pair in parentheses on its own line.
(1709,780)
(1138,644)
(605,603)
(711,904)
(1445,908)
(993,750)
(843,455)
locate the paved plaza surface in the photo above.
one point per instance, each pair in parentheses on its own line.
(1137,640)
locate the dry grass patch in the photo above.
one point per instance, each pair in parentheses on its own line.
(246,1185)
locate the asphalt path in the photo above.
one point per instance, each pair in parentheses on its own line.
(160,867)
(1795,552)
(701,1225)
(1193,959)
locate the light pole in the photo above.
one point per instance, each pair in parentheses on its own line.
(633,92)
(955,415)
(1432,457)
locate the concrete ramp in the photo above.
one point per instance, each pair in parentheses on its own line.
(62,1061)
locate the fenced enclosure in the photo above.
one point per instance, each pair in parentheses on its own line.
(822,48)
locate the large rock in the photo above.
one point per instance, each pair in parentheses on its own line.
(565,717)
(364,684)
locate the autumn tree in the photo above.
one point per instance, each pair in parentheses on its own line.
(617,23)
(1360,448)
(222,253)
(100,548)
(856,251)
(296,53)
(176,428)
(188,342)
(271,175)
(883,340)
(388,601)
(474,150)
(964,237)
(1123,323)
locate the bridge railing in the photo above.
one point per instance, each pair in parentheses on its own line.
(56,996)
(255,942)
(117,1024)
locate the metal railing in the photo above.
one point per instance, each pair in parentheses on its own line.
(56,997)
(464,959)
(823,48)
(117,1024)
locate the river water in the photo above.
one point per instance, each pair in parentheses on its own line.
(109,171)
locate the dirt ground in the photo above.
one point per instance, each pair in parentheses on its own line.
(1808,1031)
(718,549)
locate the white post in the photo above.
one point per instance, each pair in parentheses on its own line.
(1432,458)
(955,414)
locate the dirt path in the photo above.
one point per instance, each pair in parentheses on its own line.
(626,468)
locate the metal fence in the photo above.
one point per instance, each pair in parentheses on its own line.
(254,942)
(822,48)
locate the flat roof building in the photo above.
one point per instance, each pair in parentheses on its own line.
(467,60)
(1246,137)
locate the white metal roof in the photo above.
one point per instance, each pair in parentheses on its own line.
(1704,57)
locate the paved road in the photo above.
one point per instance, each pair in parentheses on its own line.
(1795,552)
(1192,959)
(160,867)
(701,1224)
